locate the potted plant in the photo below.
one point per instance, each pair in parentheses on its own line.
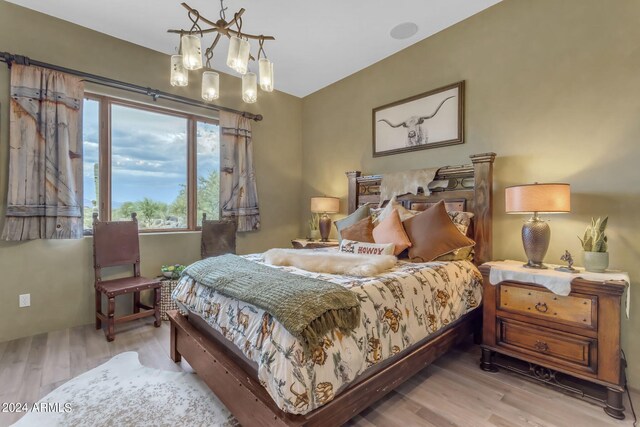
(594,244)
(314,231)
(172,271)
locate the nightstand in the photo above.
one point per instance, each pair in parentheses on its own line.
(313,244)
(571,342)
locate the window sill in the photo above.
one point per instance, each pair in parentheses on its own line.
(157,233)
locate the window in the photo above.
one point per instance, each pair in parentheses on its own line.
(158,163)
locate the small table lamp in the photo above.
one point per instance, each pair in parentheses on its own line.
(324,206)
(537,198)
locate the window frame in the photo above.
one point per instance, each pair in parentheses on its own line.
(105,159)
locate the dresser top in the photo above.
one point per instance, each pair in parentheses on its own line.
(558,282)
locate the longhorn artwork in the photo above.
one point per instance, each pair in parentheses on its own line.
(429,120)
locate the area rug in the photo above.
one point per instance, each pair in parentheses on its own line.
(122,392)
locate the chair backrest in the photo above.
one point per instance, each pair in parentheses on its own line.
(218,237)
(115,243)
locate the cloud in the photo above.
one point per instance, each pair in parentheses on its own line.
(149,153)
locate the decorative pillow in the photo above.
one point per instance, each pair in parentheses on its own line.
(433,234)
(461,254)
(462,220)
(379,215)
(357,215)
(390,230)
(363,248)
(361,231)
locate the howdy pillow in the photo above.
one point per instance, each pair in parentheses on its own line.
(363,248)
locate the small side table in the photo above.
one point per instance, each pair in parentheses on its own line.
(166,302)
(313,244)
(571,342)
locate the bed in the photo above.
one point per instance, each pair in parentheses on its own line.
(272,382)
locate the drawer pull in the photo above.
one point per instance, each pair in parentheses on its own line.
(541,346)
(542,307)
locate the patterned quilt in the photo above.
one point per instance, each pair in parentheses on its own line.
(399,308)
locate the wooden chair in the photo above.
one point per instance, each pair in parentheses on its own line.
(116,243)
(218,237)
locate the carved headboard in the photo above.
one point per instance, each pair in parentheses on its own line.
(469,188)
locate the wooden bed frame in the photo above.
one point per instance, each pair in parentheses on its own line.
(233,378)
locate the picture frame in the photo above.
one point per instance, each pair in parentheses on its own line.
(429,120)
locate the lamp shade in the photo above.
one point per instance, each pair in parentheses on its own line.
(238,54)
(191,52)
(179,75)
(210,85)
(250,88)
(542,198)
(325,204)
(266,74)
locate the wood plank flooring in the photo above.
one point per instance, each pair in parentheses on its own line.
(452,392)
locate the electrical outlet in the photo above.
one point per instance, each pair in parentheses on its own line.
(25,300)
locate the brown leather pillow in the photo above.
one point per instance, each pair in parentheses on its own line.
(432,234)
(361,231)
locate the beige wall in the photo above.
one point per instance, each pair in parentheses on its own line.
(552,87)
(59,274)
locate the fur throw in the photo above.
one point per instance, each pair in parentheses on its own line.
(332,263)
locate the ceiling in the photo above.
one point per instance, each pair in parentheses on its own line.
(317,42)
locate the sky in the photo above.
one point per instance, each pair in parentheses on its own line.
(149,152)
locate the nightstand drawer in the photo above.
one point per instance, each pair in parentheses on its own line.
(523,299)
(548,344)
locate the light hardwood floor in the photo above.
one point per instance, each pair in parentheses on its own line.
(452,392)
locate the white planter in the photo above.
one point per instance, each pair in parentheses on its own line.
(596,262)
(314,234)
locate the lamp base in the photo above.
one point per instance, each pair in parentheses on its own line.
(325,227)
(536,235)
(531,264)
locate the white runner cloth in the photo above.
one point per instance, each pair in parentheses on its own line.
(558,282)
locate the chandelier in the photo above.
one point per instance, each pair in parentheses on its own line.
(190,56)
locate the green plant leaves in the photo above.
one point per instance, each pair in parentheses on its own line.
(594,239)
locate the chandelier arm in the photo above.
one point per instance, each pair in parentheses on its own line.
(195,26)
(224,30)
(215,41)
(261,49)
(223,9)
(217,29)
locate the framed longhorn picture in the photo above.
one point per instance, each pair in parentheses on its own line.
(429,120)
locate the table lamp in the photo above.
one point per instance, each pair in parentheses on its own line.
(325,205)
(535,199)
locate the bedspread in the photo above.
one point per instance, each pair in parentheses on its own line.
(399,308)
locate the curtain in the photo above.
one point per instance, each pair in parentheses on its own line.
(238,191)
(44,199)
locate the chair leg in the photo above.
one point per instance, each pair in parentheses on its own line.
(98,309)
(156,306)
(111,319)
(136,302)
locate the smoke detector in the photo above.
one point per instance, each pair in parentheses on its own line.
(404,30)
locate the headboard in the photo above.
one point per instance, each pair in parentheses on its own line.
(469,188)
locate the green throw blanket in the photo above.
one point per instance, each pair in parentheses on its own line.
(308,308)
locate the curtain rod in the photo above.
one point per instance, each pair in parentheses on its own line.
(10,58)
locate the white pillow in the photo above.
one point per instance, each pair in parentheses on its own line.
(381,214)
(363,248)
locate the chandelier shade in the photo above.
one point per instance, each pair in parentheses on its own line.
(238,55)
(191,52)
(266,74)
(179,76)
(250,88)
(210,85)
